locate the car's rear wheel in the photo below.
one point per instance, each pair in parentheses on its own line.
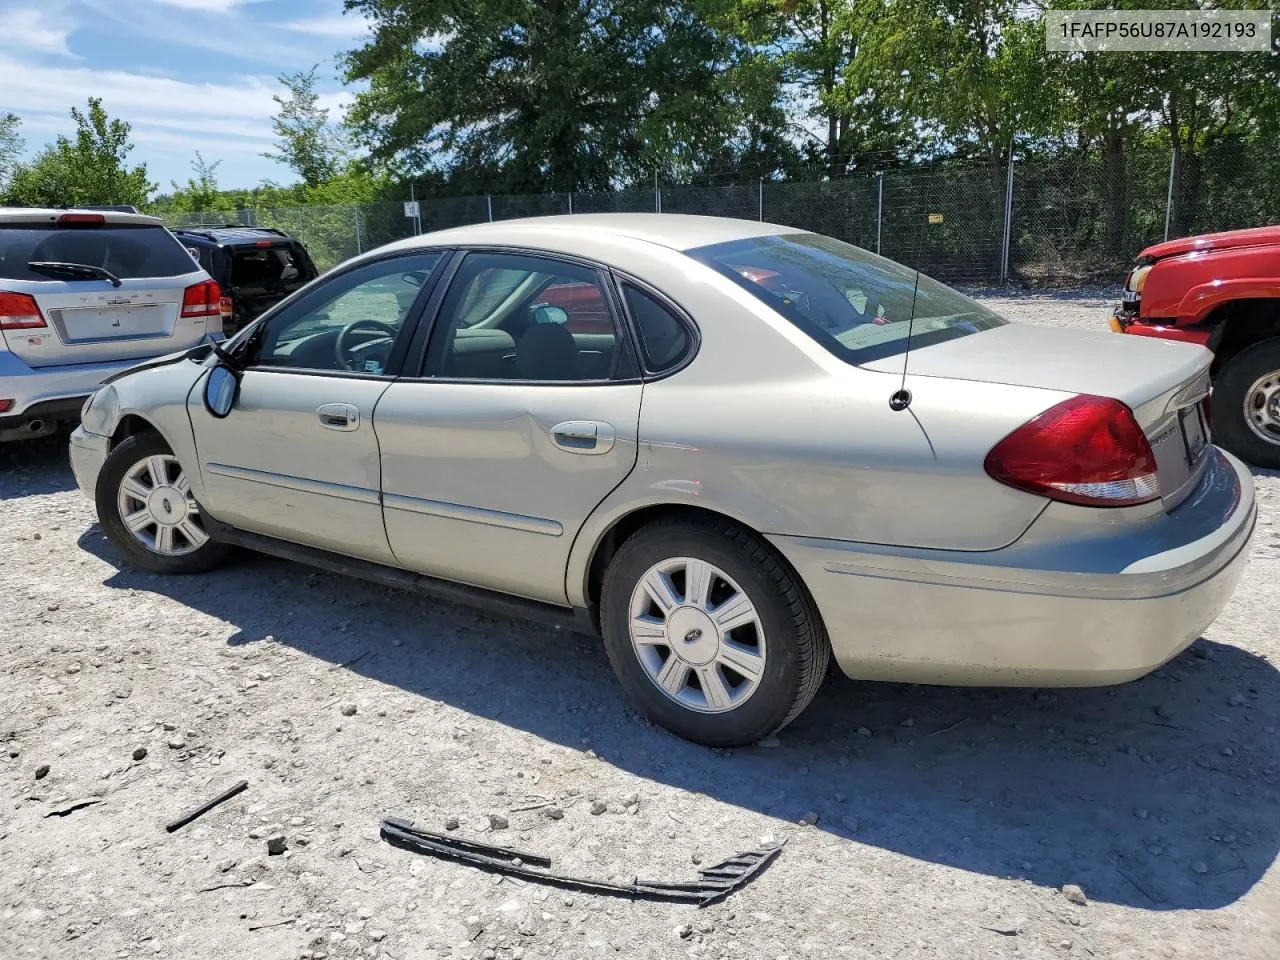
(146,506)
(1246,405)
(710,633)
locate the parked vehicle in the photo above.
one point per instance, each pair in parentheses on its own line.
(83,295)
(1221,290)
(737,481)
(256,268)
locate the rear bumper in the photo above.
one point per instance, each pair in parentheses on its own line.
(1046,611)
(72,384)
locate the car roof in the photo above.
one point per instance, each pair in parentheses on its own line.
(231,236)
(677,231)
(51,215)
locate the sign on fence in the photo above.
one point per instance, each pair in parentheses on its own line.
(411,209)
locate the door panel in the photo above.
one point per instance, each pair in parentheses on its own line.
(280,466)
(489,483)
(297,458)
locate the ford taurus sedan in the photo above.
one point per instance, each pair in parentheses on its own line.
(733,449)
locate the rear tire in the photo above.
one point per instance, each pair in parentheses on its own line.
(146,508)
(710,633)
(1246,405)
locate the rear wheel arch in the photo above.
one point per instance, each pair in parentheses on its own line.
(626,526)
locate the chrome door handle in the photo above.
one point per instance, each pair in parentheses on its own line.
(584,436)
(339,416)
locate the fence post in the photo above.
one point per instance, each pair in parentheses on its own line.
(570,202)
(359,246)
(1008,218)
(488,202)
(879,206)
(761,198)
(657,194)
(1168,202)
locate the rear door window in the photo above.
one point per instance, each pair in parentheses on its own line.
(128,251)
(267,268)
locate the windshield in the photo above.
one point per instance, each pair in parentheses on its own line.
(128,252)
(856,304)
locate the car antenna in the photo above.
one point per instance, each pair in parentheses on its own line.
(901,398)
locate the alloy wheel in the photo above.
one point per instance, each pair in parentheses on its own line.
(157,507)
(697,635)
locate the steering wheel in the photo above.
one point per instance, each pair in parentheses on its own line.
(362,326)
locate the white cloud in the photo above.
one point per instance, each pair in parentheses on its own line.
(339,26)
(206,6)
(229,118)
(34,30)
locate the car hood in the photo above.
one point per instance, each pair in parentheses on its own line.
(1253,237)
(1134,370)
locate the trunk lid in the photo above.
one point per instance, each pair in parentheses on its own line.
(1163,382)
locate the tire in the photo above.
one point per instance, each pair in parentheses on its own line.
(133,458)
(787,628)
(1238,379)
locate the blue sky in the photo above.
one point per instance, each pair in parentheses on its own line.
(188,74)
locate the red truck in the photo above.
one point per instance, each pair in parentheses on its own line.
(1220,290)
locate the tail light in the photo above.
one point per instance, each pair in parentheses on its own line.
(227,307)
(96,219)
(202,300)
(1087,450)
(18,311)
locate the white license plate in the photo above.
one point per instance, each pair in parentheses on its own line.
(1195,432)
(136,321)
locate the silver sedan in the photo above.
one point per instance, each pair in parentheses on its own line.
(732,449)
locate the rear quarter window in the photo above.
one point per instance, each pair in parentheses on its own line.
(128,251)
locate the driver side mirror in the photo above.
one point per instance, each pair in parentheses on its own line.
(546,313)
(220,391)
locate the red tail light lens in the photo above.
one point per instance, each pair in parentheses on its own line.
(18,311)
(1087,450)
(227,307)
(83,218)
(202,300)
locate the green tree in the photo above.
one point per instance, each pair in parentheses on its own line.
(201,191)
(309,144)
(528,95)
(10,147)
(89,168)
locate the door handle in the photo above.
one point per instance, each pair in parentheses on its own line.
(339,416)
(590,437)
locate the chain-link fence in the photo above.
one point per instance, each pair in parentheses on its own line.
(1046,222)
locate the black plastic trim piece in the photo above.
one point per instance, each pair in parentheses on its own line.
(714,883)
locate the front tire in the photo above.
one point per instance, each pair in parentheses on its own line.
(144,501)
(710,633)
(1246,405)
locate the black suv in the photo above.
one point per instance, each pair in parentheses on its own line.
(256,267)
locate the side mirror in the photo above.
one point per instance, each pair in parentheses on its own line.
(545,313)
(220,391)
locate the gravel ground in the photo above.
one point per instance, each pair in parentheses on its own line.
(948,820)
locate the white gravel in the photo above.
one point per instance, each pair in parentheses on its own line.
(948,820)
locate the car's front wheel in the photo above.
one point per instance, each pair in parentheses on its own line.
(146,506)
(1246,405)
(710,633)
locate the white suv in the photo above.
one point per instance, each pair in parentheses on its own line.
(83,295)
